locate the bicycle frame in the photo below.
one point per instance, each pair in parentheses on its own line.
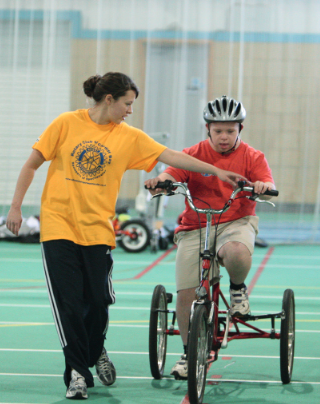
(221,338)
(209,326)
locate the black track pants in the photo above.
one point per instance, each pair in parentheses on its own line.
(79,281)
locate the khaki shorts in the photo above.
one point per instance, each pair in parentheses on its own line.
(188,270)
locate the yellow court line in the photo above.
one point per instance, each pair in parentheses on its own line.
(285,287)
(142,283)
(22,280)
(129,321)
(308,321)
(21,325)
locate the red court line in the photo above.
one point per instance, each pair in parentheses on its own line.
(185,400)
(149,267)
(260,270)
(156,262)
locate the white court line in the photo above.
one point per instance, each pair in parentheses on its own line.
(37,323)
(291,266)
(289,257)
(37,291)
(167,378)
(256,381)
(44,291)
(38,306)
(20,260)
(45,306)
(170,354)
(120,325)
(255,255)
(283,266)
(280,297)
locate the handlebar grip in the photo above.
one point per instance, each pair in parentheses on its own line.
(164,184)
(273,192)
(167,184)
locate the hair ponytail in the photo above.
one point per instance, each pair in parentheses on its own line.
(116,84)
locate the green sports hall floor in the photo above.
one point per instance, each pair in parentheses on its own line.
(248,371)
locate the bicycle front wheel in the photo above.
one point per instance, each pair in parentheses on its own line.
(197,354)
(157,332)
(287,336)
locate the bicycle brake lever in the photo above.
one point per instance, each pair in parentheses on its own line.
(160,194)
(257,199)
(156,195)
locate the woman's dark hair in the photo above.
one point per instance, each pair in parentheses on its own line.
(116,84)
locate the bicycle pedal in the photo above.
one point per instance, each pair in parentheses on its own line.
(243,317)
(169,297)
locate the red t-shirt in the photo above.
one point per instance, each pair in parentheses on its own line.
(245,160)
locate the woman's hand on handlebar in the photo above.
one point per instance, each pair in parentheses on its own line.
(152,182)
(231,177)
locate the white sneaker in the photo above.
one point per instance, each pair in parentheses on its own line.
(77,389)
(239,305)
(106,371)
(180,369)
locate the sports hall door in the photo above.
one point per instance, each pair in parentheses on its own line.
(176,91)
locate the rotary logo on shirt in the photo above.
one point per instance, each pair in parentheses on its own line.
(90,160)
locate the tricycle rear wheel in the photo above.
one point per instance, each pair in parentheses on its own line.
(287,336)
(157,332)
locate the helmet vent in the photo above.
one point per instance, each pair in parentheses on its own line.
(224,104)
(230,107)
(237,109)
(211,109)
(218,107)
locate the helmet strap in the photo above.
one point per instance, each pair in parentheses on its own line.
(232,148)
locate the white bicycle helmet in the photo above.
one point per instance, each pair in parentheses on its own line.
(224,109)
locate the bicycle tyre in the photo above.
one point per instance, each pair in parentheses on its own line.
(287,336)
(142,232)
(197,354)
(157,335)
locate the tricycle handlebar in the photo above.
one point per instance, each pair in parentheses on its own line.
(171,187)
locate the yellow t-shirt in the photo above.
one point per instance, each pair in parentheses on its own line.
(84,177)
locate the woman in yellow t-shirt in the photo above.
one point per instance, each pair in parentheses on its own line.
(89,150)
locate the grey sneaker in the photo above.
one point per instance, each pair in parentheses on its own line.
(180,369)
(77,389)
(239,302)
(106,371)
